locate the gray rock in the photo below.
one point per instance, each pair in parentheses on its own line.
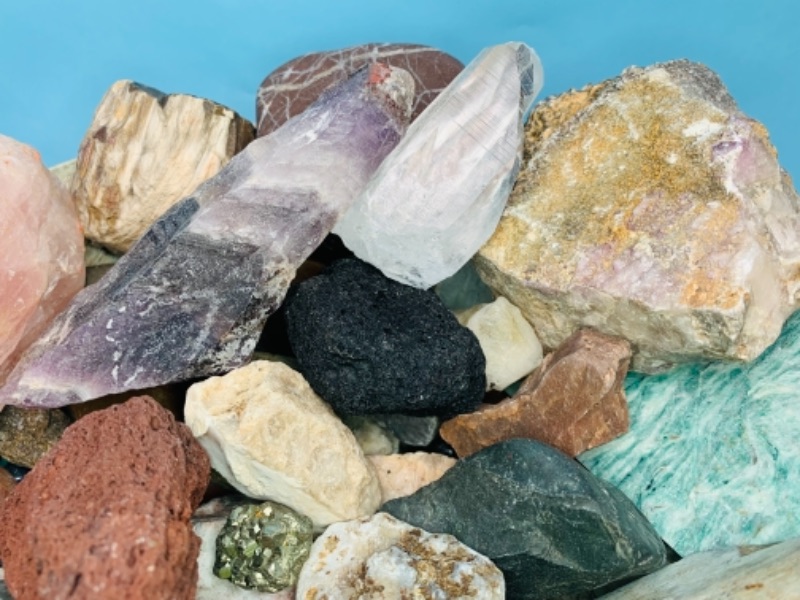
(554,529)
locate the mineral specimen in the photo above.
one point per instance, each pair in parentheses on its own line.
(381,557)
(368,344)
(145,151)
(439,195)
(263,547)
(105,513)
(41,250)
(554,529)
(27,434)
(712,458)
(192,295)
(403,474)
(272,437)
(293,86)
(650,208)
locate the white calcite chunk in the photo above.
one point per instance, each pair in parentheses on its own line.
(382,557)
(439,195)
(273,438)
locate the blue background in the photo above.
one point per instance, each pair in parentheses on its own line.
(58,58)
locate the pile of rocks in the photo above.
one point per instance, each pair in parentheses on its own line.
(379,347)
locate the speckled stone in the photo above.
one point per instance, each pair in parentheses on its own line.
(27,434)
(382,557)
(712,458)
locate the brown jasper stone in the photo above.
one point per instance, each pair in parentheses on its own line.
(293,86)
(105,514)
(573,401)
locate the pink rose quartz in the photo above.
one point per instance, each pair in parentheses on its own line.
(41,249)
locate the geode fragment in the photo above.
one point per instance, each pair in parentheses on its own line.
(263,547)
(192,295)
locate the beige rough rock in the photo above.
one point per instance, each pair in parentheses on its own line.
(371,436)
(768,573)
(381,557)
(403,474)
(273,438)
(41,250)
(508,341)
(143,152)
(650,208)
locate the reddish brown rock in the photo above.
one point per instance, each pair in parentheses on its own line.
(105,514)
(573,401)
(7,483)
(293,86)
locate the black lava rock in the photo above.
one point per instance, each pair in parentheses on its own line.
(368,344)
(553,528)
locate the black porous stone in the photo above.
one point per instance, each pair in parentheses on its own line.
(553,528)
(368,344)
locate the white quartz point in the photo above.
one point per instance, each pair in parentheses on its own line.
(440,193)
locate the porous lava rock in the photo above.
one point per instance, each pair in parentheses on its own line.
(368,344)
(105,514)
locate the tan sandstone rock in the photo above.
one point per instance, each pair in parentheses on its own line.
(574,401)
(273,438)
(651,208)
(403,474)
(143,152)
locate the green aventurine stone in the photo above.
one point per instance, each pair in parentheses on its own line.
(263,547)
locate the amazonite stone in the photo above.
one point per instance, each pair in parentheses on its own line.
(712,456)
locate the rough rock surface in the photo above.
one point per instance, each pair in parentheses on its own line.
(106,513)
(711,458)
(733,574)
(574,401)
(373,437)
(292,87)
(403,474)
(553,528)
(191,297)
(368,344)
(41,250)
(650,208)
(508,341)
(273,438)
(7,483)
(27,434)
(439,195)
(409,429)
(381,557)
(143,152)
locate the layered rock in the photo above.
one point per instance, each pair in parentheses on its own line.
(651,208)
(295,85)
(711,457)
(28,434)
(574,401)
(732,573)
(553,528)
(508,341)
(381,557)
(41,250)
(439,195)
(143,152)
(191,297)
(368,344)
(106,512)
(273,438)
(403,474)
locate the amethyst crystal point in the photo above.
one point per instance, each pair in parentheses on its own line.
(192,295)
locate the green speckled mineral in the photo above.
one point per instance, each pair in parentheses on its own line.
(263,547)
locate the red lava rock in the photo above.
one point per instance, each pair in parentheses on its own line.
(573,401)
(7,484)
(105,514)
(293,86)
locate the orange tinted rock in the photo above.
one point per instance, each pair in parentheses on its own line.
(573,401)
(7,483)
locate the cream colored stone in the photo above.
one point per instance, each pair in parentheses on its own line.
(769,573)
(143,152)
(273,438)
(508,341)
(372,438)
(652,209)
(403,474)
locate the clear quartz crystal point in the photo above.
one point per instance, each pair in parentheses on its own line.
(440,193)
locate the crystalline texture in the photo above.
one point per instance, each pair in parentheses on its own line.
(439,195)
(192,295)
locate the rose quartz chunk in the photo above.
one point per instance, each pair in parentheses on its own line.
(41,249)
